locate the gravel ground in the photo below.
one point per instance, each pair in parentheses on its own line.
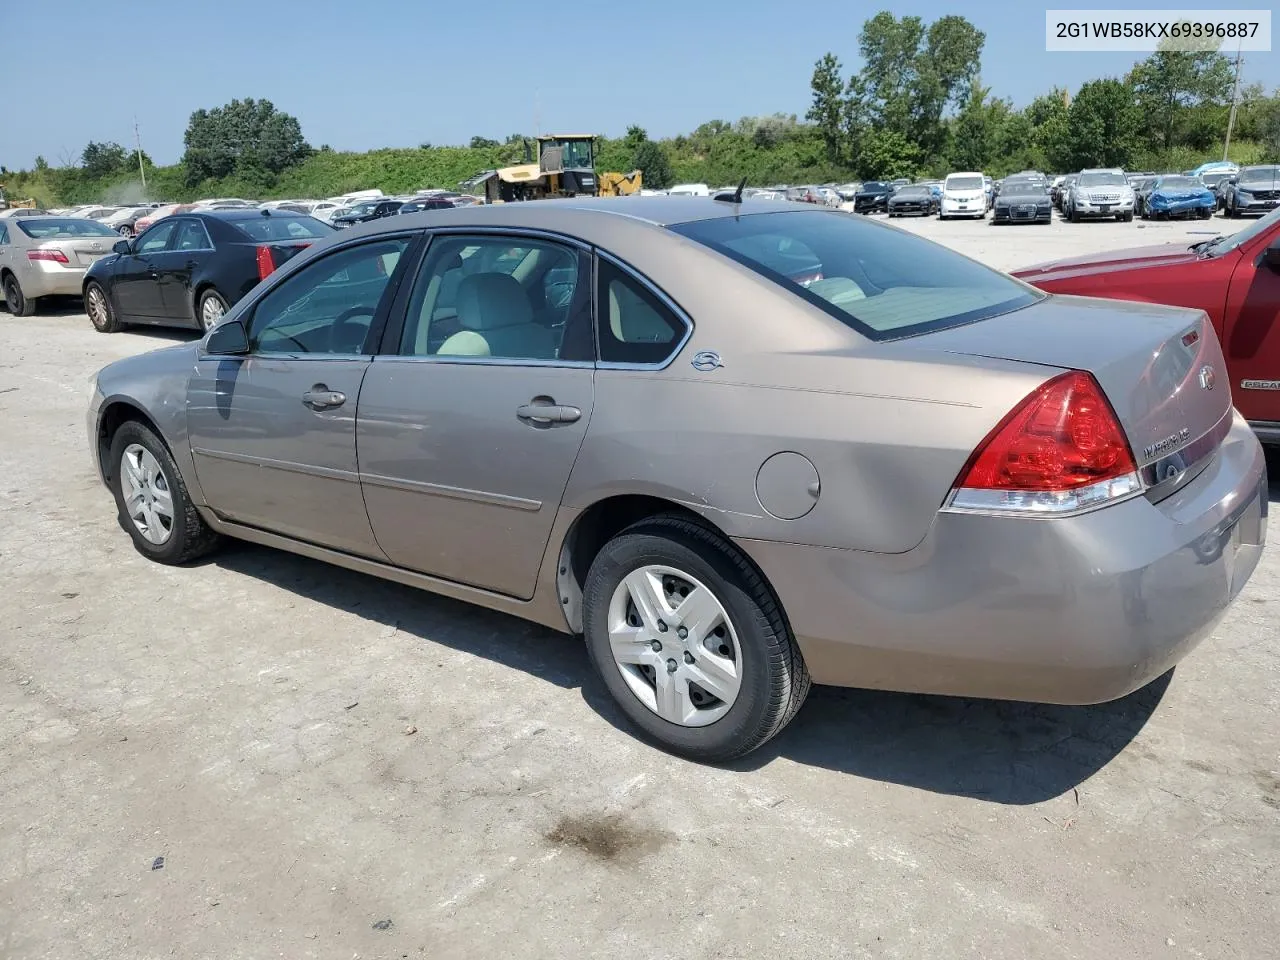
(262,756)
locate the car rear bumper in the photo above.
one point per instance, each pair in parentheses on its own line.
(1268,431)
(48,279)
(1070,610)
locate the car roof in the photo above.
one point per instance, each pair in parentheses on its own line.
(242,213)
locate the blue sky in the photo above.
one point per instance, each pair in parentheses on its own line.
(369,73)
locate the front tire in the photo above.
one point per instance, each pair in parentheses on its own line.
(152,498)
(98,307)
(690,642)
(17,302)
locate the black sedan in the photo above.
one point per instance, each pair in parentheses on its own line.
(368,210)
(874,196)
(916,200)
(418,204)
(188,269)
(1022,201)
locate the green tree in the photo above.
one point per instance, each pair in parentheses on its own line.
(247,137)
(482,143)
(886,154)
(1169,84)
(827,110)
(912,75)
(1103,125)
(976,126)
(103,159)
(651,160)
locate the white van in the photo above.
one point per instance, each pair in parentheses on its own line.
(690,190)
(963,195)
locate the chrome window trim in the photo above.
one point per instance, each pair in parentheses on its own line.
(484,361)
(662,297)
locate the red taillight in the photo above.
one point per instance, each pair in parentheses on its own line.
(1060,449)
(57,256)
(266,263)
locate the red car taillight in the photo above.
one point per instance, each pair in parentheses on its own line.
(1061,449)
(266,263)
(57,256)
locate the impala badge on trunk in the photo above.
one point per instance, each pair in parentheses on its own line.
(1167,444)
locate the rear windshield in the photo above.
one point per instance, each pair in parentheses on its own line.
(964,183)
(47,228)
(1103,180)
(883,282)
(284,228)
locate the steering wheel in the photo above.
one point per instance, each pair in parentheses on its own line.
(343,321)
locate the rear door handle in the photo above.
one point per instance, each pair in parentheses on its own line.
(548,413)
(322,398)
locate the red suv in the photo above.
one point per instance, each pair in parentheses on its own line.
(1235,280)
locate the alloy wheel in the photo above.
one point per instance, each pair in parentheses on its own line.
(675,646)
(96,307)
(148,499)
(211,310)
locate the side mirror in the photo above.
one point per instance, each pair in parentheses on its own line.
(122,247)
(227,339)
(1271,256)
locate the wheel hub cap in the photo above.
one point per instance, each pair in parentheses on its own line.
(692,675)
(147,497)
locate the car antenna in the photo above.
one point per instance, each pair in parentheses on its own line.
(736,196)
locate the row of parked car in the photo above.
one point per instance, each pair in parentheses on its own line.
(1249,191)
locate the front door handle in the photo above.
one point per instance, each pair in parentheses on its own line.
(544,410)
(321,397)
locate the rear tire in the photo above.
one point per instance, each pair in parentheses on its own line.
(125,231)
(15,300)
(99,309)
(210,309)
(184,535)
(755,646)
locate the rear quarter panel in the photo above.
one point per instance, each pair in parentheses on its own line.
(888,426)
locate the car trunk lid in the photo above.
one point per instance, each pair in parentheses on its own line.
(1161,368)
(80,252)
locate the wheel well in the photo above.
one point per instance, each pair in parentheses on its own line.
(115,416)
(597,525)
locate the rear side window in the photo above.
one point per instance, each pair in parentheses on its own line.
(882,282)
(635,326)
(270,228)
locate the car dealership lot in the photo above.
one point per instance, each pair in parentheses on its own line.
(332,765)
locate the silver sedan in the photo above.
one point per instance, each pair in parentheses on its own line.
(47,256)
(738,447)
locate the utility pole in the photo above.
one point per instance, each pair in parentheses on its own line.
(1235,102)
(137,140)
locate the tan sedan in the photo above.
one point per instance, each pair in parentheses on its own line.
(738,447)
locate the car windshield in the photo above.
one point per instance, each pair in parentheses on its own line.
(361,209)
(883,282)
(912,192)
(871,186)
(1179,183)
(1260,173)
(283,228)
(40,228)
(1103,180)
(964,183)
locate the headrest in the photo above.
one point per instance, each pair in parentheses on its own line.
(490,301)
